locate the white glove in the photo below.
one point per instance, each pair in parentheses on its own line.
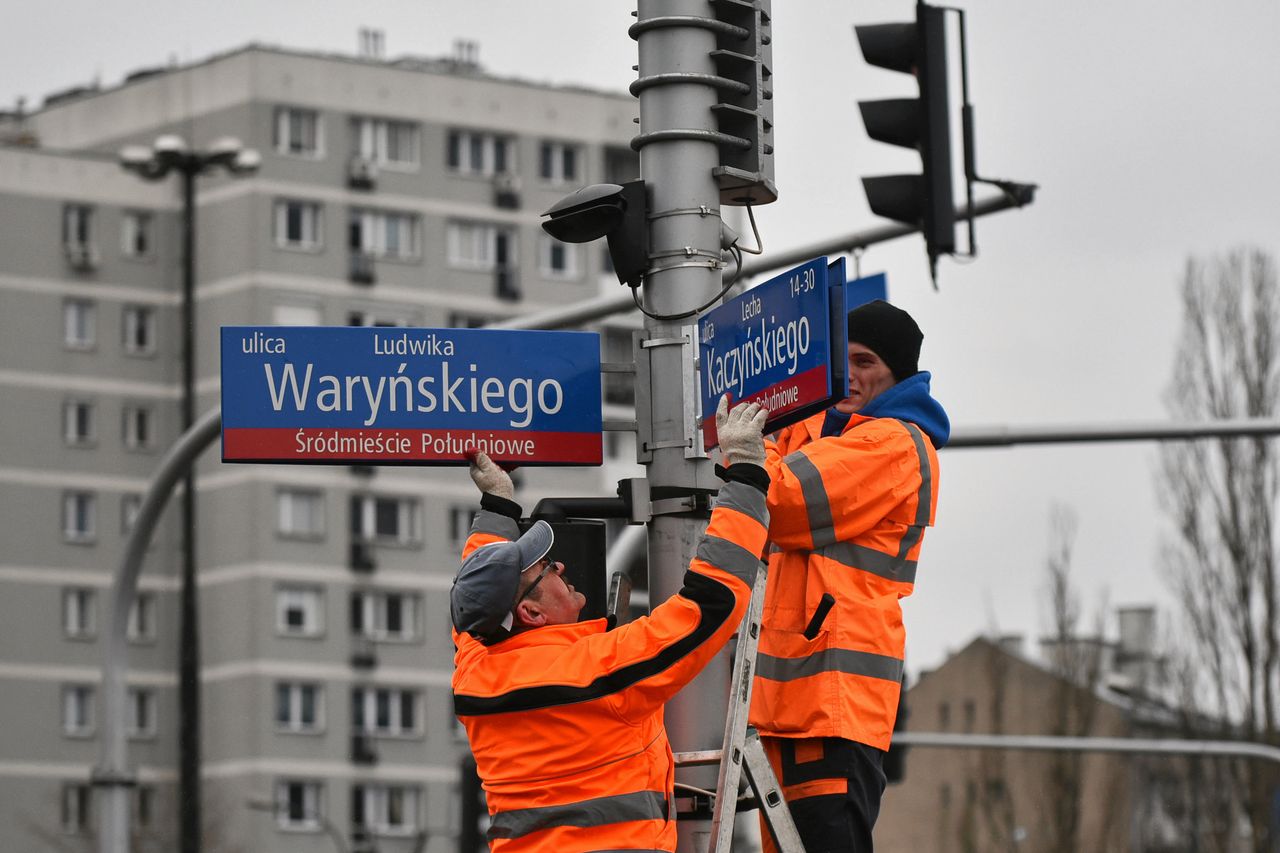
(488,477)
(740,430)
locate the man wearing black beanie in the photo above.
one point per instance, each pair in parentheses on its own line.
(851,492)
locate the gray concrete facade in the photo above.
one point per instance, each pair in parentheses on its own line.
(402,192)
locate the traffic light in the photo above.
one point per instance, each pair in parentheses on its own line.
(744,114)
(923,123)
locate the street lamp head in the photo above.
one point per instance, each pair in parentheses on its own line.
(246,162)
(223,151)
(170,144)
(142,161)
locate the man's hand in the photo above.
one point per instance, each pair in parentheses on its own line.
(739,432)
(488,477)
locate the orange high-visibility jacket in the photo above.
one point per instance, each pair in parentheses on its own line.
(847,514)
(565,721)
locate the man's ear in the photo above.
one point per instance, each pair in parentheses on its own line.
(529,614)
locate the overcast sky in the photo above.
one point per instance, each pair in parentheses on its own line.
(1151,127)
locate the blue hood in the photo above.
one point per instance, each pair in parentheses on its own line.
(911,401)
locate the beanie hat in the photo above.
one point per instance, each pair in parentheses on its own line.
(890,333)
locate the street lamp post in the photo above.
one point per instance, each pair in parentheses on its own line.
(171,154)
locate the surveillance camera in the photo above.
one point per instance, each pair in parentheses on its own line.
(618,212)
(587,214)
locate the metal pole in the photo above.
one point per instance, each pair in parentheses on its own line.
(1003,436)
(603,306)
(113,774)
(1053,743)
(189,637)
(677,154)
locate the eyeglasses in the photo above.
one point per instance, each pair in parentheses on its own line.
(546,570)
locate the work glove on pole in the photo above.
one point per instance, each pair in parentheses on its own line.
(489,478)
(739,431)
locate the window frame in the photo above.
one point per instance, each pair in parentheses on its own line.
(473,245)
(78,225)
(139,321)
(312,797)
(310,601)
(79,606)
(295,691)
(311,219)
(374,608)
(572,254)
(78,431)
(364,525)
(140,713)
(85,313)
(553,156)
(289,499)
(77,808)
(138,226)
(132,416)
(371,139)
(282,133)
(375,808)
(365,721)
(479,153)
(77,535)
(140,626)
(79,711)
(374,228)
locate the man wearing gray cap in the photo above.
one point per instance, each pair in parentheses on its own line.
(564,717)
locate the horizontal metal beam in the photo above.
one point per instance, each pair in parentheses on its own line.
(1006,436)
(603,306)
(1052,743)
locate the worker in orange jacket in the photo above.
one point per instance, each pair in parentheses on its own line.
(852,490)
(564,717)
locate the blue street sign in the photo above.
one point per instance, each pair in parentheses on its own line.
(348,394)
(782,343)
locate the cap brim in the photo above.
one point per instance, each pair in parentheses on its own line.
(535,544)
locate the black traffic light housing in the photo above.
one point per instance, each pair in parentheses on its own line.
(927,199)
(744,113)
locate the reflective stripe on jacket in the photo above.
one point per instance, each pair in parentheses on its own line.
(565,721)
(847,514)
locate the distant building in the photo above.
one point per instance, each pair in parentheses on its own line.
(957,801)
(401,192)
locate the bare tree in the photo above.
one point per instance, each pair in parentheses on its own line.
(1221,497)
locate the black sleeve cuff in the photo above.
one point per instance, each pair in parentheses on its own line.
(745,472)
(501,505)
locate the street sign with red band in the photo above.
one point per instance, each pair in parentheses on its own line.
(350,394)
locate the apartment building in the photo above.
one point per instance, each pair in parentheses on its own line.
(401,192)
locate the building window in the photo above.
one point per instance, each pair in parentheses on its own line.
(140,713)
(385,520)
(384,234)
(77,225)
(78,423)
(298,707)
(385,615)
(385,809)
(139,429)
(137,234)
(130,506)
(484,154)
(385,142)
(77,710)
(298,611)
(558,162)
(76,801)
(391,711)
(79,324)
(465,320)
(476,245)
(300,513)
(297,132)
(79,613)
(556,259)
(141,627)
(79,517)
(297,315)
(970,715)
(297,804)
(460,525)
(139,330)
(944,716)
(298,225)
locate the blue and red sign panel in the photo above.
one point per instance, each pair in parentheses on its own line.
(782,343)
(377,395)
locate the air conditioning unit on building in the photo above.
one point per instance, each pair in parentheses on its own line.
(506,190)
(364,653)
(362,173)
(82,256)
